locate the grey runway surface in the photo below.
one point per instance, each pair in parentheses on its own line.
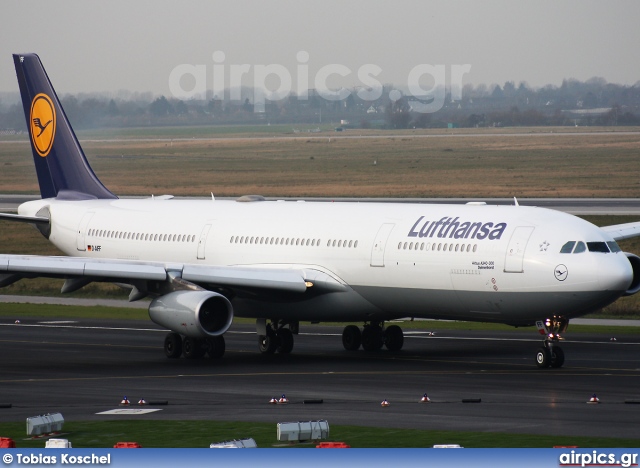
(86,367)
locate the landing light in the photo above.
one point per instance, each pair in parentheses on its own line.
(308,284)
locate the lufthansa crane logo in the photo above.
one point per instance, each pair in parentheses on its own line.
(43,124)
(561,272)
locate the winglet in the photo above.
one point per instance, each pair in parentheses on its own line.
(61,165)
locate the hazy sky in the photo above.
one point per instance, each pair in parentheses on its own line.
(110,45)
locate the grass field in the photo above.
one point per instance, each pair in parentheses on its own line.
(272,161)
(199,434)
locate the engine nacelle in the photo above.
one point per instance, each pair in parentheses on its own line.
(635,282)
(196,314)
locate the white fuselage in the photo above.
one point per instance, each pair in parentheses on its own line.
(467,262)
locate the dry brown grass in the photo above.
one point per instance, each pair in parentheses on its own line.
(483,165)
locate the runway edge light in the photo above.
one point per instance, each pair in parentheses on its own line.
(425,399)
(384,403)
(593,400)
(125,401)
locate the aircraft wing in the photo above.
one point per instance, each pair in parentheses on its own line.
(255,279)
(623,231)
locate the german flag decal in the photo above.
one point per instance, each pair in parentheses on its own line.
(43,124)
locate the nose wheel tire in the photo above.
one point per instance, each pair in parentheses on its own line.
(557,357)
(543,358)
(553,357)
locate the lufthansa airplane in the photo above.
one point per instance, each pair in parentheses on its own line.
(281,262)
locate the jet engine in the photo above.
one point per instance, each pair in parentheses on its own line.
(196,314)
(635,266)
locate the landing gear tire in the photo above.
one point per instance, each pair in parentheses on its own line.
(543,358)
(372,338)
(557,357)
(351,338)
(551,355)
(285,341)
(193,348)
(393,338)
(268,343)
(215,347)
(173,345)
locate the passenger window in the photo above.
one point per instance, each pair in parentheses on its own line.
(580,247)
(568,247)
(355,244)
(598,247)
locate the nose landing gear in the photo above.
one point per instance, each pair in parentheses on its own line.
(551,354)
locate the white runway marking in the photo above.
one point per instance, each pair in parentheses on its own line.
(131,411)
(58,322)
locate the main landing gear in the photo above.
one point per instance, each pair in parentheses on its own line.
(276,336)
(372,337)
(193,348)
(551,354)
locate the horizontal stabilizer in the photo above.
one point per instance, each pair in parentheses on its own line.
(24,219)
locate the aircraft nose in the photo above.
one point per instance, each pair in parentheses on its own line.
(615,273)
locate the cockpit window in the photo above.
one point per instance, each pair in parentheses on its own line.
(614,247)
(580,247)
(568,247)
(598,247)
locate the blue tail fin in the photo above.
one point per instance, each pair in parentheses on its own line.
(62,168)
